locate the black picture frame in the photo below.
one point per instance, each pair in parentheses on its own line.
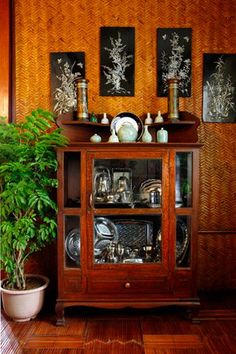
(219,88)
(65,69)
(117,61)
(174,59)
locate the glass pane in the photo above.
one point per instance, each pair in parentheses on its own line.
(72,179)
(127,239)
(127,183)
(183,241)
(183,184)
(72,241)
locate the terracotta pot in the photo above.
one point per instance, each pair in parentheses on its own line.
(24,305)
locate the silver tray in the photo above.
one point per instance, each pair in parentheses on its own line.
(72,244)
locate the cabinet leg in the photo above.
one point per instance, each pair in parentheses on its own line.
(60,314)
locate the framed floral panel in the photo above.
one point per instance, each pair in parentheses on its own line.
(66,68)
(174,47)
(117,61)
(219,88)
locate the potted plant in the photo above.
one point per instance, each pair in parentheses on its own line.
(28,211)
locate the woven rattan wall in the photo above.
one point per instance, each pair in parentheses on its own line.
(50,26)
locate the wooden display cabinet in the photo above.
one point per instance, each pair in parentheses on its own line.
(127,225)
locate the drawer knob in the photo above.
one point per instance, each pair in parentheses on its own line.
(127,285)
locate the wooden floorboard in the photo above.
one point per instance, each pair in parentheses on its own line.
(128,331)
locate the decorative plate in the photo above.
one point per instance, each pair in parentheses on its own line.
(127,117)
(72,244)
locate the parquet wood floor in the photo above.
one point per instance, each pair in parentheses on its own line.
(128,331)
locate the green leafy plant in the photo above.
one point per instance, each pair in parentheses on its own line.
(28,165)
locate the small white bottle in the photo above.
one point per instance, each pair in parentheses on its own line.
(148,120)
(162,136)
(159,118)
(105,120)
(113,138)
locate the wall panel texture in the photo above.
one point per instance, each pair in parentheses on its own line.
(53,26)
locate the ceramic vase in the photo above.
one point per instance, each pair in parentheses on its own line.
(146,137)
(95,138)
(127,133)
(113,137)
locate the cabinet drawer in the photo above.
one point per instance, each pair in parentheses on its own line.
(123,286)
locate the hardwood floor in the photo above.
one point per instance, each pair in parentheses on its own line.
(129,331)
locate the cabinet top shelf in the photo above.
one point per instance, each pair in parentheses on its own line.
(84,123)
(182,130)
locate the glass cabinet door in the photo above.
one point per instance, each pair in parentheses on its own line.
(72,241)
(71,203)
(183,199)
(183,184)
(127,183)
(72,179)
(127,200)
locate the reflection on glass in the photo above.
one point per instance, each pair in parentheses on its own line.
(183,184)
(72,179)
(127,183)
(183,241)
(72,241)
(127,239)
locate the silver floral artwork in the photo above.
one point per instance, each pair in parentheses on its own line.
(117,61)
(174,59)
(66,68)
(219,88)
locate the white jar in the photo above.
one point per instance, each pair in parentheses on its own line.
(162,136)
(95,138)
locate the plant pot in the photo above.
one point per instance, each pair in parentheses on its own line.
(24,305)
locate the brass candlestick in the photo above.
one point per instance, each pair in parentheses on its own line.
(173,99)
(82,99)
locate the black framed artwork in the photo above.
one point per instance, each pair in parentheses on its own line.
(66,68)
(219,88)
(174,47)
(117,61)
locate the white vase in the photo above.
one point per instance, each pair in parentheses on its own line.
(146,137)
(105,120)
(159,118)
(113,137)
(148,119)
(24,305)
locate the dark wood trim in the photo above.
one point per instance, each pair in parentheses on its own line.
(7,79)
(12,76)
